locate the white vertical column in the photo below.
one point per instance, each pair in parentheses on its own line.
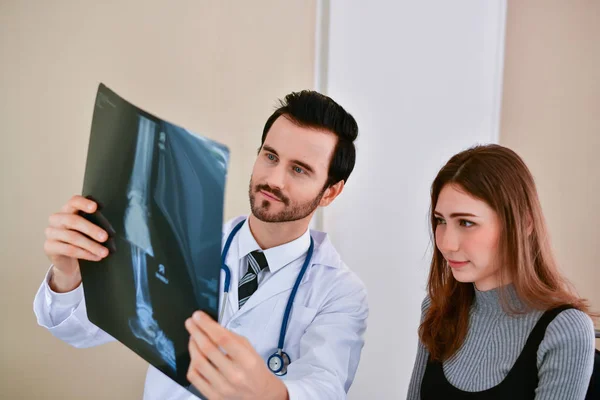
(423,80)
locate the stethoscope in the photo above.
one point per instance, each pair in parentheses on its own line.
(278,361)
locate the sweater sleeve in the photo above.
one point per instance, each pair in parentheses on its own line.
(565,357)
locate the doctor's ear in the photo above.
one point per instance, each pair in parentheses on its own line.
(331,193)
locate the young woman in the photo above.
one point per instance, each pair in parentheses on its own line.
(499,321)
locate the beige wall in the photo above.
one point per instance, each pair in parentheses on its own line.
(215,67)
(551,116)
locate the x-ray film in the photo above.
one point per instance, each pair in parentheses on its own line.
(160,190)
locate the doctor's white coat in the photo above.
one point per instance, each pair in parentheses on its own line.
(325,334)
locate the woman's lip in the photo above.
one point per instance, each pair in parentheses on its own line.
(457,264)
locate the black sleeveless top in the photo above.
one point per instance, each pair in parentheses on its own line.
(519,384)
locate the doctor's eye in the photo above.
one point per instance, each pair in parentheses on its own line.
(439,221)
(271,157)
(466,223)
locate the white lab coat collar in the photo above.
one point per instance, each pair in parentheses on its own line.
(324,253)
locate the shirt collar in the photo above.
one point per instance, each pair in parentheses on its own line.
(277,257)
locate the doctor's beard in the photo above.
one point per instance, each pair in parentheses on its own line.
(292,211)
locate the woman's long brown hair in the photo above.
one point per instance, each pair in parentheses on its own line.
(499,177)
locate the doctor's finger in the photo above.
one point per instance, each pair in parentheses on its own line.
(79,224)
(205,368)
(209,349)
(79,203)
(56,248)
(201,384)
(76,239)
(228,341)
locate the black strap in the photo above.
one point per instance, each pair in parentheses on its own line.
(539,330)
(593,392)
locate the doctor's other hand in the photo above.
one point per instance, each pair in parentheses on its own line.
(68,239)
(225,366)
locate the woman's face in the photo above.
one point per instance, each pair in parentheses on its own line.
(467,235)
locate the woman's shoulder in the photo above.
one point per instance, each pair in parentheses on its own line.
(565,357)
(573,322)
(571,328)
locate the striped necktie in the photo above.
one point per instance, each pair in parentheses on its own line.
(249,282)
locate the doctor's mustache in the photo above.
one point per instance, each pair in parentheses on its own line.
(274,191)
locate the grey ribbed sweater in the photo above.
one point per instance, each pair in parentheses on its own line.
(495,339)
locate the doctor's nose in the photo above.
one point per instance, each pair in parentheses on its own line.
(276,178)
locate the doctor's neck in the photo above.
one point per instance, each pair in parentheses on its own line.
(273,234)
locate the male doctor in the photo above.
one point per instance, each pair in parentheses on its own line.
(306,156)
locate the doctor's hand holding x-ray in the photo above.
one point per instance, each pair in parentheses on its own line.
(226,366)
(292,314)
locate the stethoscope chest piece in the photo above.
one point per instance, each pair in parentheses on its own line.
(278,362)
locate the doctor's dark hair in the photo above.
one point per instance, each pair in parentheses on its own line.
(497,176)
(314,110)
